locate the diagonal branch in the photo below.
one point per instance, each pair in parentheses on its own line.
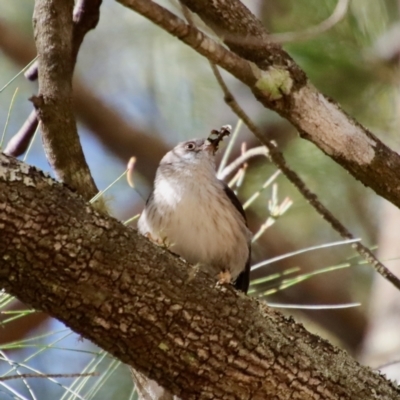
(155,312)
(279,84)
(279,160)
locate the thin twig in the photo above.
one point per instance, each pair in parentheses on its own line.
(279,160)
(254,152)
(25,376)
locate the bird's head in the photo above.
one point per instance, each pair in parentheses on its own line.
(194,157)
(192,154)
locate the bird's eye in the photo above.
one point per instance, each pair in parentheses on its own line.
(190,146)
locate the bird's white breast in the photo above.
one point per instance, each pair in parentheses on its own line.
(198,222)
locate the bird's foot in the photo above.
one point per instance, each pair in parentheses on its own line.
(224,277)
(162,242)
(153,239)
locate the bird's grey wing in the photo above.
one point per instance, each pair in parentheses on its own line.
(235,201)
(243,280)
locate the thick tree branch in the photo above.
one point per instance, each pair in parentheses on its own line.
(53,35)
(279,84)
(85,17)
(155,312)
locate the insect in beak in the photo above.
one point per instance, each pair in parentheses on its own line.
(215,137)
(210,147)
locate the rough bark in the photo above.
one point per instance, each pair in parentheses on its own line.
(85,17)
(279,84)
(153,311)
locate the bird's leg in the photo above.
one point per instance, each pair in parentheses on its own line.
(153,239)
(224,277)
(162,242)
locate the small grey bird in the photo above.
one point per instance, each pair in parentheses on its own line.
(197,216)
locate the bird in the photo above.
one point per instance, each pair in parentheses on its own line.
(197,216)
